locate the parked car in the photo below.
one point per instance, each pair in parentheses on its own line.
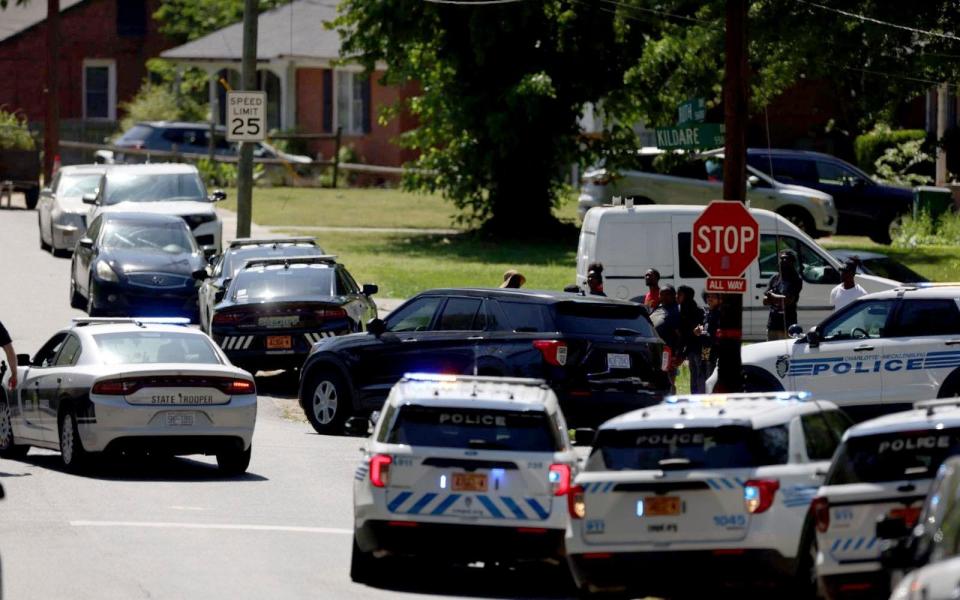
(61,213)
(881,265)
(672,178)
(131,264)
(163,188)
(602,357)
(866,206)
(22,167)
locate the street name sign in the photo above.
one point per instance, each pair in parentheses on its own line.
(246,116)
(726,240)
(692,111)
(693,136)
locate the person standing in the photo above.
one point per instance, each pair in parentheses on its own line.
(708,332)
(782,296)
(691,316)
(595,279)
(666,320)
(848,289)
(7,344)
(652,279)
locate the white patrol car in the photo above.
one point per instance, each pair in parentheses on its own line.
(463,469)
(936,581)
(707,484)
(873,357)
(883,468)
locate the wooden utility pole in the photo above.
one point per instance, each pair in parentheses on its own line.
(943,99)
(245,167)
(51,119)
(735,98)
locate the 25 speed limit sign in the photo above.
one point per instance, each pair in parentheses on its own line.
(246,116)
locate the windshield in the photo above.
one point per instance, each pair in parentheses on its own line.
(474,428)
(891,269)
(727,447)
(893,456)
(153,187)
(77,185)
(148,347)
(278,281)
(171,238)
(602,319)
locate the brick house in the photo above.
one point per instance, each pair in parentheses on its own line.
(307,90)
(104,47)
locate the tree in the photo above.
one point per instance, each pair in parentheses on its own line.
(501,90)
(185,20)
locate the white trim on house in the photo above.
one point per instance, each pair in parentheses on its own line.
(111,65)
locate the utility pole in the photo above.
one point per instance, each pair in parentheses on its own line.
(51,119)
(735,98)
(943,98)
(245,167)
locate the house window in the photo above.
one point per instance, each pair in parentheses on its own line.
(100,89)
(131,17)
(353,102)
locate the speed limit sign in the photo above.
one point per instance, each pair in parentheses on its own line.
(246,116)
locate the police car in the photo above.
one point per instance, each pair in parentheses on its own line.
(937,581)
(883,468)
(463,469)
(717,485)
(873,357)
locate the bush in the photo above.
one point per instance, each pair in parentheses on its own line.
(899,164)
(927,231)
(14,133)
(216,173)
(869,147)
(156,102)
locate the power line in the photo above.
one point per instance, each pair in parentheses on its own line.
(866,19)
(473,2)
(661,13)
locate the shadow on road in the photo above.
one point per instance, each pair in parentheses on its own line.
(144,468)
(530,582)
(279,384)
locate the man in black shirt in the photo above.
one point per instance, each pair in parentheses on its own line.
(782,296)
(7,344)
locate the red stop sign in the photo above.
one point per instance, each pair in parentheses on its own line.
(726,239)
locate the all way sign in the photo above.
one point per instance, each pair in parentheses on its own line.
(726,285)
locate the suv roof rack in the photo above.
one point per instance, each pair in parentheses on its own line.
(447,378)
(138,321)
(326,259)
(712,398)
(931,405)
(242,242)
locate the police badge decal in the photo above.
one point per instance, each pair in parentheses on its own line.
(783,366)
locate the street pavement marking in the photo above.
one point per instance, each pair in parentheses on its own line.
(228,526)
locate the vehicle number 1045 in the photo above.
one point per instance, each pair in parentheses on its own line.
(730,521)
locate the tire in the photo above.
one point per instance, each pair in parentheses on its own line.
(755,380)
(74,457)
(8,446)
(76,299)
(234,462)
(804,583)
(888,229)
(32,196)
(362,567)
(327,402)
(800,218)
(43,245)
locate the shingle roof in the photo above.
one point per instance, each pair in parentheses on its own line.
(292,30)
(18,17)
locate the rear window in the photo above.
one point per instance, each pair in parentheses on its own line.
(602,319)
(148,347)
(893,456)
(728,447)
(477,429)
(525,316)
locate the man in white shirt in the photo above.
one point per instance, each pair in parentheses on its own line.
(848,290)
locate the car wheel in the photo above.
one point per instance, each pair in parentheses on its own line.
(234,462)
(800,218)
(43,244)
(8,447)
(76,299)
(804,584)
(72,453)
(31,196)
(362,568)
(327,403)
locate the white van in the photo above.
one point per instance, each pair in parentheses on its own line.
(628,240)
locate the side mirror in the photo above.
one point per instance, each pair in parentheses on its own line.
(584,436)
(23,359)
(85,243)
(892,528)
(795,331)
(377,327)
(218,196)
(370,289)
(90,198)
(752,181)
(357,426)
(200,274)
(813,337)
(209,253)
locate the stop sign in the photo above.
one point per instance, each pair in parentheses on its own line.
(726,239)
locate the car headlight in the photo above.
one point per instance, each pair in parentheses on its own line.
(106,272)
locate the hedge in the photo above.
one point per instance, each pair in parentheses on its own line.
(871,146)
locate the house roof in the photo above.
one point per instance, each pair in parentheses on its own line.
(292,30)
(19,17)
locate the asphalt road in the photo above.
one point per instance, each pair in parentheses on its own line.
(176,529)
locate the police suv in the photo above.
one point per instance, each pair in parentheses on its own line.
(709,484)
(875,356)
(883,468)
(463,469)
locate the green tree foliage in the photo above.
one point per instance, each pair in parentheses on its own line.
(14,133)
(185,20)
(155,102)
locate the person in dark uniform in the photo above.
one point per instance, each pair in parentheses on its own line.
(782,296)
(7,344)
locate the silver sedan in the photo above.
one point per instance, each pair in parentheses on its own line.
(61,213)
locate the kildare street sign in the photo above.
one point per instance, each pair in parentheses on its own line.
(246,116)
(693,136)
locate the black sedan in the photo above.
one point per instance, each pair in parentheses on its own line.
(601,356)
(276,309)
(136,264)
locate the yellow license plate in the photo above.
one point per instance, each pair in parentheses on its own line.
(662,506)
(279,342)
(469,482)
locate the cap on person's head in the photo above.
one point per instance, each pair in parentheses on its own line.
(788,254)
(849,266)
(513,279)
(595,270)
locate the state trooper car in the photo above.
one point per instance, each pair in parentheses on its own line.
(873,357)
(123,384)
(462,469)
(717,485)
(883,468)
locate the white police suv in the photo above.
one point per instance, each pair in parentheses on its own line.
(883,468)
(717,485)
(463,469)
(873,357)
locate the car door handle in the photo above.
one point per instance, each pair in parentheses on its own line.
(863,348)
(952,343)
(408,340)
(760,285)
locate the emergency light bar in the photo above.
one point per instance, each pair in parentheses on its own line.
(448,378)
(243,242)
(139,321)
(324,259)
(930,405)
(714,398)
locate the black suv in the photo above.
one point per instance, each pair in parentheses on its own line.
(601,356)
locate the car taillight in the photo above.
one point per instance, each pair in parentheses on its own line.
(239,386)
(559,478)
(227,318)
(380,469)
(554,351)
(821,514)
(910,515)
(330,313)
(116,387)
(758,494)
(576,505)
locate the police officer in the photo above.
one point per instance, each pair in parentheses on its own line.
(782,296)
(7,344)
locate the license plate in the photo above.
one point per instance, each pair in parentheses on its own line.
(469,482)
(618,361)
(279,342)
(276,322)
(179,419)
(661,506)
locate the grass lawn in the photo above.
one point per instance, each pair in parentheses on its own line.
(937,263)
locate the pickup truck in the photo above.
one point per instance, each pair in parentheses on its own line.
(22,167)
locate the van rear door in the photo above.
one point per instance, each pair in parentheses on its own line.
(628,244)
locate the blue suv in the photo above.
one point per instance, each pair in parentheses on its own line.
(865,206)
